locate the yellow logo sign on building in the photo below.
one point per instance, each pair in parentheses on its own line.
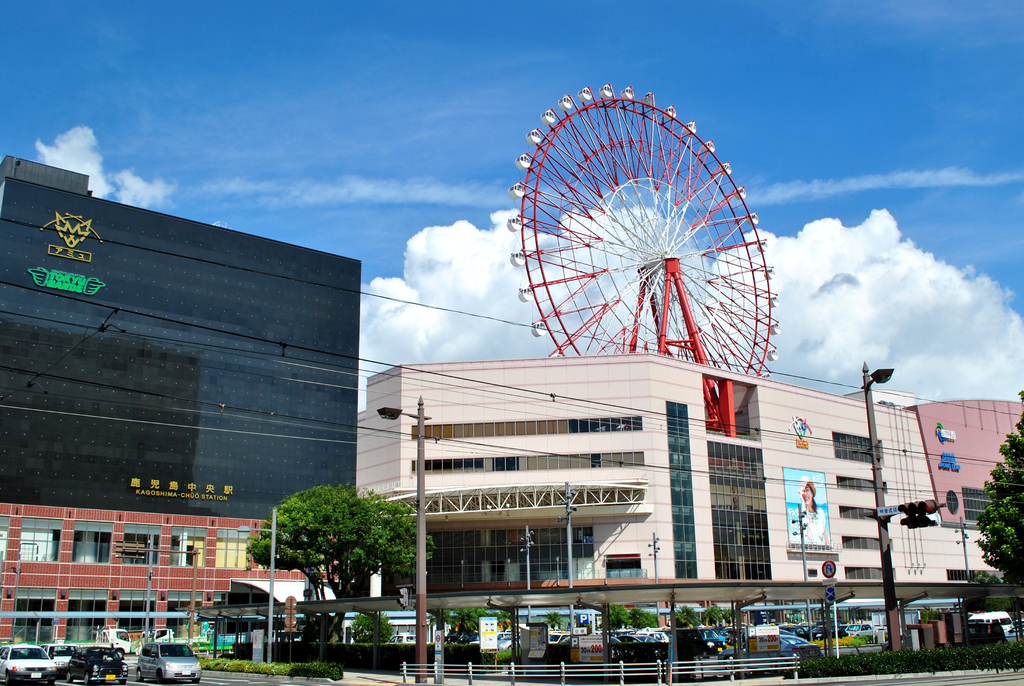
(73,230)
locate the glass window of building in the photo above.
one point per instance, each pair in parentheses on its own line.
(178,601)
(135,601)
(188,543)
(83,629)
(739,512)
(861,543)
(855,512)
(854,483)
(232,549)
(92,542)
(487,555)
(5,523)
(847,447)
(34,629)
(684,537)
(975,500)
(956,575)
(624,567)
(143,534)
(40,539)
(864,573)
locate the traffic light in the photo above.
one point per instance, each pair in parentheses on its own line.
(917,514)
(403,596)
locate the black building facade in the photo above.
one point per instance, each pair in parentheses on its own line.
(154,364)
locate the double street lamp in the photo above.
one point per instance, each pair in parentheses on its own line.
(392,413)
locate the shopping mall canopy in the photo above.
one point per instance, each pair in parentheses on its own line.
(744,593)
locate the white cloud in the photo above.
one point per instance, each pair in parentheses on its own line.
(78,150)
(847,295)
(797,191)
(356,189)
(864,293)
(458,267)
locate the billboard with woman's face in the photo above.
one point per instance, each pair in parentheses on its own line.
(805,493)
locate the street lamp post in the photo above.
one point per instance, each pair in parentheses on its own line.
(270,588)
(421,532)
(803,557)
(892,611)
(963,541)
(527,544)
(569,509)
(655,549)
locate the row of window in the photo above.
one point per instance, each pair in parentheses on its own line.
(531,428)
(518,464)
(83,629)
(92,543)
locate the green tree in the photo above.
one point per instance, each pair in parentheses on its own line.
(686,616)
(338,538)
(618,617)
(727,615)
(362,629)
(555,620)
(713,615)
(468,618)
(1001,523)
(642,619)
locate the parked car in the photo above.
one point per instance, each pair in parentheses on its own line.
(692,644)
(789,645)
(403,638)
(167,662)
(26,663)
(61,654)
(95,663)
(712,636)
(985,632)
(860,630)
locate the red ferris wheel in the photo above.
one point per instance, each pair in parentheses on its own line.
(636,238)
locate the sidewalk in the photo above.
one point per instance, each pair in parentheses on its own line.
(383,678)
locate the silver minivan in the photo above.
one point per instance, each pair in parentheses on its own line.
(167,662)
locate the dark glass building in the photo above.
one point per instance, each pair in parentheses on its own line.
(154,364)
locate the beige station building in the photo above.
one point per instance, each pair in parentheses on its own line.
(627,435)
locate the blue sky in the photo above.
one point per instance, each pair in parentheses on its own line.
(352,128)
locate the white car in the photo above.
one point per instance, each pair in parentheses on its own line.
(25,662)
(860,630)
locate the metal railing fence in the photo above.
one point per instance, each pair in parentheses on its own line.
(634,672)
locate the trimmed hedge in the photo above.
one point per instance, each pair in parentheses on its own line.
(360,655)
(317,670)
(999,657)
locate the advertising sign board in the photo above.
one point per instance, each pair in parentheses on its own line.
(806,499)
(488,633)
(762,638)
(257,645)
(538,641)
(591,650)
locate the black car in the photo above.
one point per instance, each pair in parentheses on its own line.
(712,636)
(92,664)
(982,633)
(692,645)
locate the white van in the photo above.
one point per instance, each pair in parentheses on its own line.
(1000,618)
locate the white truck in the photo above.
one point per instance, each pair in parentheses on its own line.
(118,639)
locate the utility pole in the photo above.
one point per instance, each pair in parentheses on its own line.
(655,549)
(892,609)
